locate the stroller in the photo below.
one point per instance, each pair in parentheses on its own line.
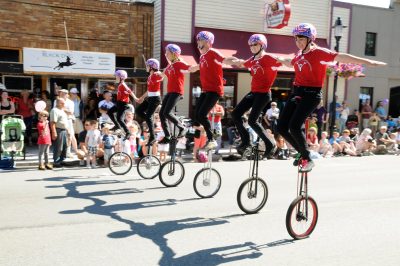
(12,130)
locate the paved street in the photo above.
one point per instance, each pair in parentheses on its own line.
(92,217)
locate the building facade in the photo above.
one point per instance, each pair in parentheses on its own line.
(119,32)
(375,34)
(178,21)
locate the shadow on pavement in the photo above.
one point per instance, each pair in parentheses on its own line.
(157,233)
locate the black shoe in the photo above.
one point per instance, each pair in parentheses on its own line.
(165,140)
(182,132)
(297,159)
(242,147)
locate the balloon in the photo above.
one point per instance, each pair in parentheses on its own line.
(386,101)
(40,106)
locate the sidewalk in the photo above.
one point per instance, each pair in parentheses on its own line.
(31,158)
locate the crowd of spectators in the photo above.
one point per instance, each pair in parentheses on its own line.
(83,129)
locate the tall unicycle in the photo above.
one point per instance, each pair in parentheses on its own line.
(253,192)
(148,166)
(172,171)
(302,215)
(207,180)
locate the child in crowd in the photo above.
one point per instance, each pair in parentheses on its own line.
(312,139)
(373,122)
(108,141)
(282,152)
(347,144)
(133,129)
(92,142)
(44,140)
(365,144)
(334,141)
(325,149)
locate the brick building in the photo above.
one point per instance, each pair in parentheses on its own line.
(122,31)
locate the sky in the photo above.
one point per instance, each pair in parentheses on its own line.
(378,3)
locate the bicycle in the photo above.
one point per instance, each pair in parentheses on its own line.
(172,171)
(207,181)
(302,215)
(120,162)
(148,166)
(254,189)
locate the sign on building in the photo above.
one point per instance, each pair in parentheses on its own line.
(277,14)
(63,62)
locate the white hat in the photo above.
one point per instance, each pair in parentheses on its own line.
(63,90)
(74,91)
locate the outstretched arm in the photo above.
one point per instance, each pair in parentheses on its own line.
(285,61)
(348,58)
(231,60)
(194,68)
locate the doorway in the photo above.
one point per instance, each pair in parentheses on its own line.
(394,102)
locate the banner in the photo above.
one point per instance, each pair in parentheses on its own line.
(68,62)
(277,14)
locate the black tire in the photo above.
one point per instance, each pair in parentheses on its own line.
(247,193)
(171,173)
(204,179)
(148,167)
(295,217)
(120,163)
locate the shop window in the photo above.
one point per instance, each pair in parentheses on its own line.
(370,44)
(9,55)
(124,62)
(18,83)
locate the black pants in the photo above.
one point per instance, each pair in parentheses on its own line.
(118,121)
(146,110)
(166,112)
(206,102)
(257,102)
(300,105)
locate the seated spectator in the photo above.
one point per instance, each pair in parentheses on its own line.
(82,148)
(354,134)
(334,141)
(365,144)
(393,149)
(325,148)
(282,151)
(347,144)
(391,124)
(383,142)
(398,138)
(312,139)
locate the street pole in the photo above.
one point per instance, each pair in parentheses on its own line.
(333,107)
(338,28)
